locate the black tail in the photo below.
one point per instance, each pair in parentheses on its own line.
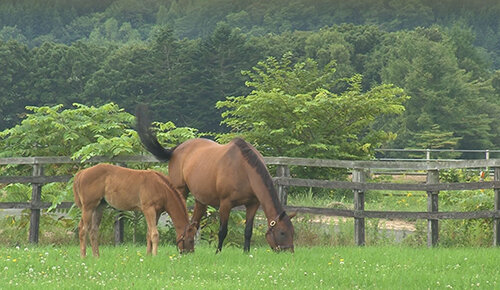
(148,137)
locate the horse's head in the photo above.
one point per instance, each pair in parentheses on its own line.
(280,233)
(185,242)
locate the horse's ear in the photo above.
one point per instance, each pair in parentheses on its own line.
(293,214)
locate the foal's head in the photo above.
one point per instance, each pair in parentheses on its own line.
(185,242)
(280,233)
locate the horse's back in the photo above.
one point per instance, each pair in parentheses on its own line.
(89,185)
(203,155)
(120,187)
(210,170)
(204,150)
(193,155)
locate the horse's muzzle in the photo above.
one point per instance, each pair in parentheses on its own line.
(186,251)
(284,248)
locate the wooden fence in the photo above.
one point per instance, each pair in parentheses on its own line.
(359,186)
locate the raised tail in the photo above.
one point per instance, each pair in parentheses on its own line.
(148,137)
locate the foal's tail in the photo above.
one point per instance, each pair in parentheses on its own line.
(148,137)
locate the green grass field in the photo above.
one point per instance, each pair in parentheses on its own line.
(127,267)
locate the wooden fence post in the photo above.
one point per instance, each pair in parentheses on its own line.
(282,171)
(432,206)
(119,229)
(359,175)
(496,221)
(36,197)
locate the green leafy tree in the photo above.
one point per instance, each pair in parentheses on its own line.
(55,131)
(435,138)
(82,132)
(169,67)
(292,112)
(14,64)
(328,45)
(124,78)
(50,70)
(12,33)
(112,31)
(425,64)
(79,28)
(223,55)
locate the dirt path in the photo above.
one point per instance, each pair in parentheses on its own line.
(400,225)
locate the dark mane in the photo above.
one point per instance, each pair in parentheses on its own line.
(255,162)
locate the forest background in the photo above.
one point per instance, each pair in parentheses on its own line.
(183,57)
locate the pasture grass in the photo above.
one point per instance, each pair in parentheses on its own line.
(127,267)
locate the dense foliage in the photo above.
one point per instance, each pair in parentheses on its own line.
(293,111)
(183,57)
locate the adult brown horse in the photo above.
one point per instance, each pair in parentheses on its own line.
(223,176)
(129,189)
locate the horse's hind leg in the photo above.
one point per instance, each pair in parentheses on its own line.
(94,229)
(224,210)
(83,228)
(250,215)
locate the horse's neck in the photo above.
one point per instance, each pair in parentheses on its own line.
(267,198)
(270,210)
(177,211)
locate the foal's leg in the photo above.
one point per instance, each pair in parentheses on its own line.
(224,209)
(94,229)
(153,236)
(198,212)
(250,215)
(83,228)
(148,239)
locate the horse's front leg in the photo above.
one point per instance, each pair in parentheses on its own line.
(224,210)
(250,215)
(153,236)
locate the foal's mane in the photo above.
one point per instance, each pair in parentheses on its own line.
(177,194)
(254,161)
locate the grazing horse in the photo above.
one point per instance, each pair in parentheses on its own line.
(129,189)
(223,176)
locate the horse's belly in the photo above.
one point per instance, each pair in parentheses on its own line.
(206,198)
(213,198)
(122,202)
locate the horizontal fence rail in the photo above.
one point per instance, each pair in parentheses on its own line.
(359,185)
(429,154)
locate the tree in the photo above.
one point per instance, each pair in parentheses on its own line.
(82,132)
(52,131)
(112,31)
(424,63)
(168,70)
(80,28)
(12,33)
(292,112)
(49,71)
(124,77)
(213,71)
(437,139)
(14,61)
